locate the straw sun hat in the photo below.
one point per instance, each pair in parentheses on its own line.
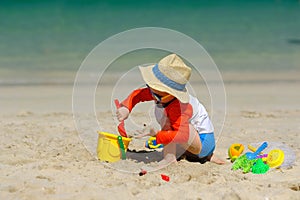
(170,75)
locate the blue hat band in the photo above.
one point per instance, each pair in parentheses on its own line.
(164,79)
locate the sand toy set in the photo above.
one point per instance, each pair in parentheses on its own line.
(260,160)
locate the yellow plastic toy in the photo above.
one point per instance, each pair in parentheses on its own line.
(111,147)
(152,144)
(275,158)
(234,151)
(251,148)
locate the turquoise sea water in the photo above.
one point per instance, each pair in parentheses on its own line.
(53,36)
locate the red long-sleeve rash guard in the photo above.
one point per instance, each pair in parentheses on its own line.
(178,114)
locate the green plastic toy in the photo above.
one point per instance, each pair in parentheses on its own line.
(260,167)
(243,163)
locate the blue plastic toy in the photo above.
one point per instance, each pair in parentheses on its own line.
(254,155)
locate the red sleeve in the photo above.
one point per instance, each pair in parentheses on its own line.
(179,115)
(139,95)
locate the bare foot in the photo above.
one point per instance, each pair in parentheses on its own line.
(168,159)
(215,159)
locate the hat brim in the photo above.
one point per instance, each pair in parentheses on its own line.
(156,84)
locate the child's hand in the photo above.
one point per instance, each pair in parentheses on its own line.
(122,113)
(152,132)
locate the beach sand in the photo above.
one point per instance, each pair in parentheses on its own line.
(42,156)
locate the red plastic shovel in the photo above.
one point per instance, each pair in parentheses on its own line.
(121,127)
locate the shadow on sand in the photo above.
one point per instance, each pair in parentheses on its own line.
(156,156)
(144,156)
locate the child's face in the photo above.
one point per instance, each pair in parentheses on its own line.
(161,97)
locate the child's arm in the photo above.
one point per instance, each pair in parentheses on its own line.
(179,116)
(137,96)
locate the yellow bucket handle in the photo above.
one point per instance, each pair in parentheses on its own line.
(122,148)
